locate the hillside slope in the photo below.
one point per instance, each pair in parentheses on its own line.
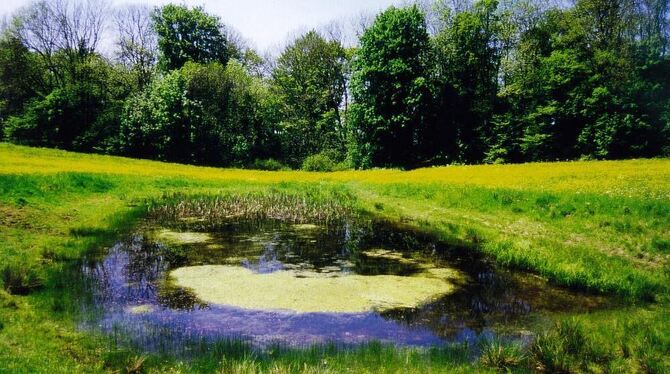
(598,226)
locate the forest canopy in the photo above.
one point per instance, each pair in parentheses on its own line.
(481,81)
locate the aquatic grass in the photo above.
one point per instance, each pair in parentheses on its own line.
(213,210)
(549,356)
(235,356)
(371,357)
(246,365)
(573,337)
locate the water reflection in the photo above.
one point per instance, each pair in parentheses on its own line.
(132,297)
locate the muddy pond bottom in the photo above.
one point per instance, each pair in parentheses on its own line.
(270,282)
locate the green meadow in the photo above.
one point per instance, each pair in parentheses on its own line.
(601,228)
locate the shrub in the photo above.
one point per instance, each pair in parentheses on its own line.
(318,162)
(323,162)
(269,164)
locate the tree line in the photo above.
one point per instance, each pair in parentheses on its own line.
(462,81)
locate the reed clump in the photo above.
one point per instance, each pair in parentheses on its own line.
(212,210)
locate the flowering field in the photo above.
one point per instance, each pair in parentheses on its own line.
(630,178)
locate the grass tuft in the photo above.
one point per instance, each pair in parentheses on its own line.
(136,364)
(21,279)
(566,348)
(245,365)
(500,355)
(549,356)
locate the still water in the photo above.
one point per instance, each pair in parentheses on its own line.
(136,295)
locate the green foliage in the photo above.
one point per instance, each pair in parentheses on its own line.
(189,35)
(160,122)
(325,161)
(468,53)
(206,114)
(80,113)
(581,85)
(20,77)
(268,164)
(318,162)
(310,84)
(391,90)
(235,127)
(495,81)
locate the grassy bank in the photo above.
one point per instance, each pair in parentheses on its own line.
(598,226)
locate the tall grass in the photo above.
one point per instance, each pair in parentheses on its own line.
(217,209)
(237,356)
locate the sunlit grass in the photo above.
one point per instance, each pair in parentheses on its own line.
(597,226)
(632,178)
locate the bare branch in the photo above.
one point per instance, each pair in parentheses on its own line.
(49,27)
(137,42)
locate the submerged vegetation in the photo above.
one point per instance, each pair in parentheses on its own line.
(598,226)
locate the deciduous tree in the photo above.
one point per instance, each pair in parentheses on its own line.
(391,90)
(189,34)
(309,82)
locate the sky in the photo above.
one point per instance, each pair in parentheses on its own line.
(265,24)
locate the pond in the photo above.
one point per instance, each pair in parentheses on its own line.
(269,282)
